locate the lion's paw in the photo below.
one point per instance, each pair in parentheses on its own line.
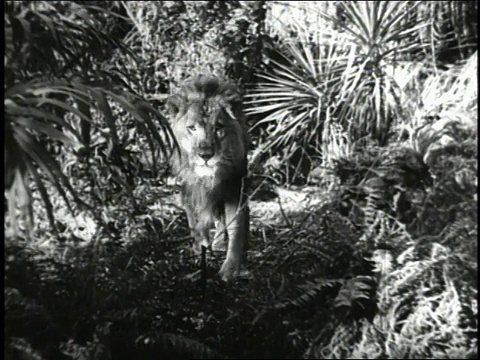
(197,247)
(230,269)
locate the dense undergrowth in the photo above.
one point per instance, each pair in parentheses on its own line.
(382,265)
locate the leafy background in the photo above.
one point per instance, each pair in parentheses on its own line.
(364,180)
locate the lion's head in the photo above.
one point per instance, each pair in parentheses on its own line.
(209,125)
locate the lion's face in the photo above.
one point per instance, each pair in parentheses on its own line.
(208,138)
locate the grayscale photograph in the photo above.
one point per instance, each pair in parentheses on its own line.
(240,180)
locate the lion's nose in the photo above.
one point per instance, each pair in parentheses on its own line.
(206,154)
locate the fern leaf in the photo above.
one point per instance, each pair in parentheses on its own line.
(309,291)
(352,290)
(178,346)
(383,262)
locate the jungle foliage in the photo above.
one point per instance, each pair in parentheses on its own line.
(370,108)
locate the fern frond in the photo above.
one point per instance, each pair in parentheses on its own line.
(310,291)
(383,262)
(422,314)
(354,289)
(19,348)
(461,230)
(180,347)
(316,245)
(341,344)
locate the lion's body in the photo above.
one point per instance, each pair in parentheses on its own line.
(211,164)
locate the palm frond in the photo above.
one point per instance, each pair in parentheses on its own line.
(56,86)
(290,99)
(30,116)
(379,35)
(55,38)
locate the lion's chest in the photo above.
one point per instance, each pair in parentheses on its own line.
(203,194)
(204,173)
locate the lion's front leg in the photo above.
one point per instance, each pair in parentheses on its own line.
(220,239)
(198,231)
(237,223)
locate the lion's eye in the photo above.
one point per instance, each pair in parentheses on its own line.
(191,127)
(220,130)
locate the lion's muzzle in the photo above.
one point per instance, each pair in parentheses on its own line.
(206,150)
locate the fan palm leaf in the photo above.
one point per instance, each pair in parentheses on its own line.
(341,71)
(53,69)
(379,34)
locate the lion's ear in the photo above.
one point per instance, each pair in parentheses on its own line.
(232,99)
(232,96)
(175,104)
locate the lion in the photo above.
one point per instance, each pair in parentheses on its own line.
(207,119)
